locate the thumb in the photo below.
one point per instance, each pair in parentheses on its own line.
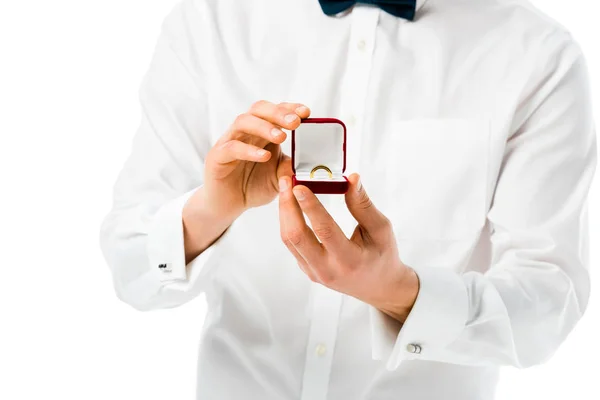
(362,208)
(285,167)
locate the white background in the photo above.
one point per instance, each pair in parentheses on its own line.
(69,75)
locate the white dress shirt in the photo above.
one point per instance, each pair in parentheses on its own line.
(471,127)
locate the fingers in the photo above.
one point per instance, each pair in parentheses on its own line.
(285,115)
(323,224)
(294,231)
(301,261)
(248,124)
(264,121)
(285,166)
(362,208)
(300,109)
(234,150)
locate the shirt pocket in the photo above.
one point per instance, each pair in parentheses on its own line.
(437,172)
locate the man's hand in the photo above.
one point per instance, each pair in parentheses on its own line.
(241,172)
(243,167)
(366,266)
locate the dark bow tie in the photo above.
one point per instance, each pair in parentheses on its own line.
(400,8)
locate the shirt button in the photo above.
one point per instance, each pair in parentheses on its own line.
(413,348)
(361,45)
(321,350)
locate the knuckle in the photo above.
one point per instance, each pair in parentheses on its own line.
(327,278)
(258,104)
(350,270)
(282,109)
(229,146)
(364,201)
(286,107)
(295,236)
(323,231)
(385,226)
(240,119)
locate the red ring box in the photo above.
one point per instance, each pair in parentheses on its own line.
(320,141)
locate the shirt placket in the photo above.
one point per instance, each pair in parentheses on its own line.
(356,82)
(327,303)
(321,343)
(357,77)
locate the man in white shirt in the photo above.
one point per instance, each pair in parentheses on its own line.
(470,124)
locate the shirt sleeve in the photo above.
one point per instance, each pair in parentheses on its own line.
(537,287)
(142,236)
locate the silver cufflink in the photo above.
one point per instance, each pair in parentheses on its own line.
(413,348)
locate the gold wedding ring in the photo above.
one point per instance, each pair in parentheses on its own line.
(319,167)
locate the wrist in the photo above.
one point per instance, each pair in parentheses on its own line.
(204,223)
(218,210)
(402,296)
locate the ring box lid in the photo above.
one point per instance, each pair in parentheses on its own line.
(319,141)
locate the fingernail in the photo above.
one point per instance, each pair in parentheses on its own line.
(299,195)
(290,118)
(276,133)
(302,110)
(261,152)
(358,185)
(283,185)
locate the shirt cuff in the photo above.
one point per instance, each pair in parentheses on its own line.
(165,246)
(437,318)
